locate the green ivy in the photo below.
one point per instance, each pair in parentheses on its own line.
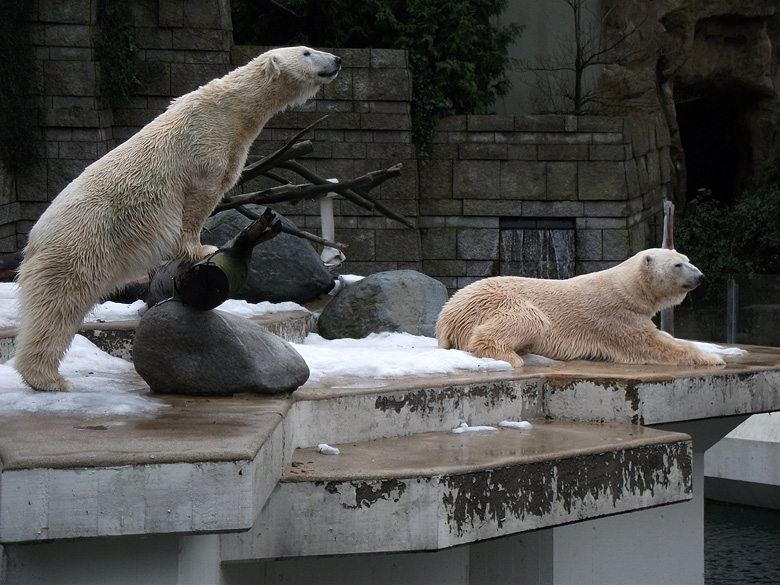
(18,111)
(457,54)
(115,49)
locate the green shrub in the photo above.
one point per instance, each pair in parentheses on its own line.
(743,238)
(115,48)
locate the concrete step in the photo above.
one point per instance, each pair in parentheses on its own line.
(434,490)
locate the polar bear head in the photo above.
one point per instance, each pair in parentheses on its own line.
(666,276)
(301,67)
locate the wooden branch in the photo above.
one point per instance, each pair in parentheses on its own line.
(667,315)
(345,189)
(297,233)
(265,164)
(294,148)
(319,188)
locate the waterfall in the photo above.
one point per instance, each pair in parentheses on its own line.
(537,253)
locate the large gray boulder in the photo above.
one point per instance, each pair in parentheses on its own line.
(179,350)
(285,268)
(397,301)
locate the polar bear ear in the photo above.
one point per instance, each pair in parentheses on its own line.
(648,260)
(272,67)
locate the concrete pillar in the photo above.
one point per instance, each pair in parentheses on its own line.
(445,567)
(170,559)
(2,565)
(199,562)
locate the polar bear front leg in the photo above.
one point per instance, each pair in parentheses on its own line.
(194,213)
(662,348)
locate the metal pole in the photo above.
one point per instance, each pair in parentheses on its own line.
(732,310)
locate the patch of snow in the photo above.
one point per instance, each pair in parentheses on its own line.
(103,385)
(343,281)
(109,311)
(464,428)
(326,449)
(386,355)
(512,424)
(9,306)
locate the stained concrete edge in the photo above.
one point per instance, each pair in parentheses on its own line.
(345,498)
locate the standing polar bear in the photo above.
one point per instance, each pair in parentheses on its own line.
(147,200)
(604,315)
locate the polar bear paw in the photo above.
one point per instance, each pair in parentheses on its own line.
(196,252)
(51,384)
(206,251)
(708,359)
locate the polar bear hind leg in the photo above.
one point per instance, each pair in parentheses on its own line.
(508,331)
(48,328)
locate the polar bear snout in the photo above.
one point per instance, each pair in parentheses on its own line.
(331,72)
(694,276)
(694,282)
(327,65)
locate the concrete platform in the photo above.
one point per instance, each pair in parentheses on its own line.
(66,476)
(435,490)
(744,466)
(215,474)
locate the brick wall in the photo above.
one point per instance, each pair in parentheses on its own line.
(182,45)
(602,179)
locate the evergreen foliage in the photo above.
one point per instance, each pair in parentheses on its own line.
(115,48)
(742,239)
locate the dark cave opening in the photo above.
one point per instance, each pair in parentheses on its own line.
(716,138)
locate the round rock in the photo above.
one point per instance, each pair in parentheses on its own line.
(178,350)
(397,301)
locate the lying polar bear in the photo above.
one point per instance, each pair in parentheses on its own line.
(604,315)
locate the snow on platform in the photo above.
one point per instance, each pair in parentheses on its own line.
(111,459)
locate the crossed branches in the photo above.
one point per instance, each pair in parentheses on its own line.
(355,190)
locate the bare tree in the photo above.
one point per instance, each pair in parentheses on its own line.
(567,81)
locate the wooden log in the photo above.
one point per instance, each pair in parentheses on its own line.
(208,283)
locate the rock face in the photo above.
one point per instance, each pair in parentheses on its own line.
(284,268)
(711,69)
(178,350)
(398,300)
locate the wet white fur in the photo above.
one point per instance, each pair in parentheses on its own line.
(604,315)
(147,200)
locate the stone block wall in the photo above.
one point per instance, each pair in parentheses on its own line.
(599,182)
(181,46)
(603,177)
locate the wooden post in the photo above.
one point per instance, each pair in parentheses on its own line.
(667,315)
